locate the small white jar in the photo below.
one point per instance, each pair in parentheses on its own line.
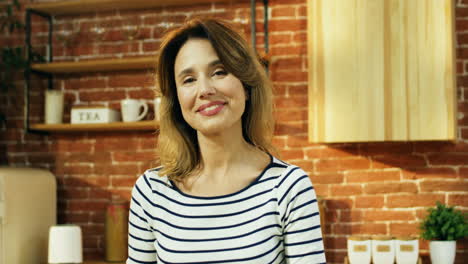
(406,250)
(359,250)
(383,250)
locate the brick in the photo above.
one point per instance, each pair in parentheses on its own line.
(101,96)
(86,181)
(91,83)
(387,215)
(292,115)
(342,164)
(372,176)
(292,154)
(448,159)
(297,141)
(398,161)
(287,25)
(414,200)
(76,169)
(282,38)
(336,242)
(93,229)
(382,148)
(279,142)
(443,185)
(290,128)
(429,173)
(125,156)
(293,50)
(283,11)
(404,229)
(374,201)
(73,193)
(458,200)
(327,178)
(132,80)
(287,64)
(306,165)
(117,169)
(345,190)
(440,147)
(141,94)
(300,37)
(339,203)
(289,76)
(332,151)
(123,181)
(298,89)
(115,145)
(98,157)
(302,11)
(73,217)
(82,205)
(150,46)
(322,189)
(394,187)
(291,102)
(349,216)
(361,229)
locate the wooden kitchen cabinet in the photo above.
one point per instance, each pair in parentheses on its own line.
(381,70)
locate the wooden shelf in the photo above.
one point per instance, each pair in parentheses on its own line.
(102,262)
(116,126)
(91,6)
(138,63)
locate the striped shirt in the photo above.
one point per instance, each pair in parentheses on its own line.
(273,220)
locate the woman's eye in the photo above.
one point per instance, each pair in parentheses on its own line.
(188,80)
(220,72)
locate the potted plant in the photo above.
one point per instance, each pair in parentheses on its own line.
(443,225)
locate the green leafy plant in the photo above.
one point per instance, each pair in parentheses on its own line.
(444,223)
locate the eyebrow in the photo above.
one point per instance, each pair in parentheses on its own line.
(189,70)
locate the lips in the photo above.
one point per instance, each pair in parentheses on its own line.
(211,108)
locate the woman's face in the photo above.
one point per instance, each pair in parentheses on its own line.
(212,100)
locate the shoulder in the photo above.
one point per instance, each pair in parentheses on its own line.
(150,181)
(289,172)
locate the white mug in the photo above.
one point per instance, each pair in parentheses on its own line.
(157,104)
(133,110)
(53,107)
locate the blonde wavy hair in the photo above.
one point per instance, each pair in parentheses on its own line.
(178,145)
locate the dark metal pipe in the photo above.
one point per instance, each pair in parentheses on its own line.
(265,24)
(27,71)
(253,14)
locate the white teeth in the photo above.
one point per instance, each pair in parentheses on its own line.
(210,108)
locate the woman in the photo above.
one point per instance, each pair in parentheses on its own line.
(219,196)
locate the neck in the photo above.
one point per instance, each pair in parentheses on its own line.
(222,153)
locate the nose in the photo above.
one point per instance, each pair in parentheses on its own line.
(206,87)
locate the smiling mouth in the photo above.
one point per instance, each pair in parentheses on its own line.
(211,108)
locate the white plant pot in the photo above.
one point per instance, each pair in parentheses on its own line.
(442,252)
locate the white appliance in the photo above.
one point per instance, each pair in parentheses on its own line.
(28,207)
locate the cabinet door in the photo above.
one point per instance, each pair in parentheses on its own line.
(381,70)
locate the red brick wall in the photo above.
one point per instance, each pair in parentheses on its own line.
(369,188)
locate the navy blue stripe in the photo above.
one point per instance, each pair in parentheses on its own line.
(138,227)
(277,255)
(142,262)
(203,216)
(302,230)
(143,251)
(303,242)
(302,218)
(136,215)
(211,204)
(286,176)
(297,195)
(305,254)
(286,218)
(210,228)
(216,250)
(227,260)
(220,238)
(141,239)
(292,186)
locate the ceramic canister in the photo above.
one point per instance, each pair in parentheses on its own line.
(65,244)
(116,231)
(383,250)
(406,250)
(359,249)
